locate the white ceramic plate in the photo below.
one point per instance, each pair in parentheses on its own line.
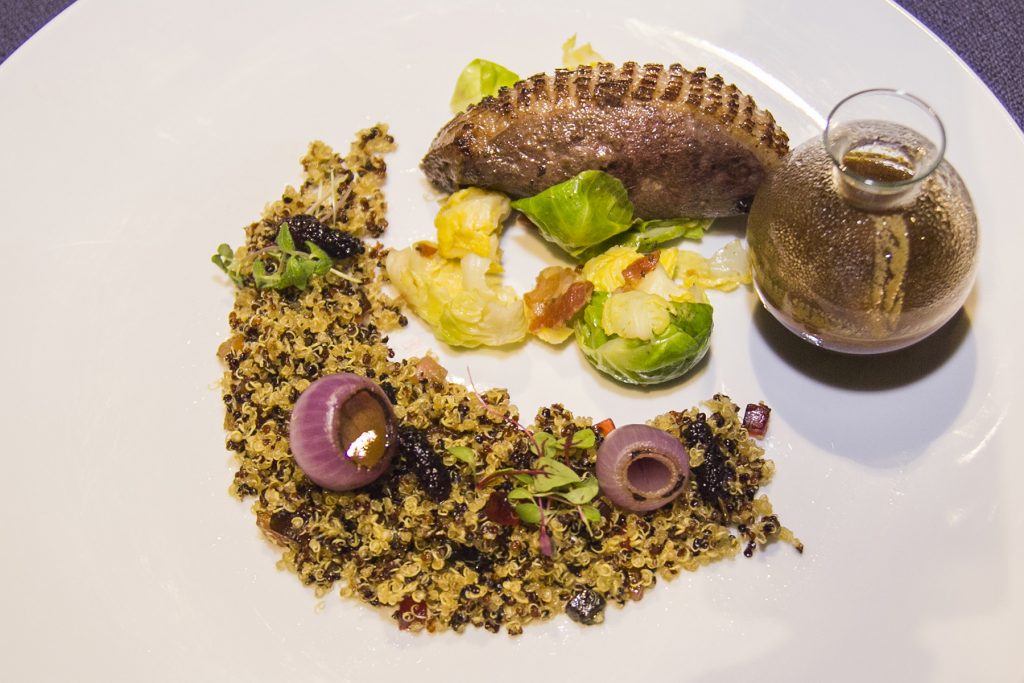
(137,136)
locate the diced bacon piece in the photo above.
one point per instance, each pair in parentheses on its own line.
(426,249)
(561,309)
(429,369)
(636,270)
(755,419)
(551,282)
(558,295)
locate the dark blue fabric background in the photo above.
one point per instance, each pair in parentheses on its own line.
(987,34)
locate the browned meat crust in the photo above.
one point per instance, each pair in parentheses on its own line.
(683,143)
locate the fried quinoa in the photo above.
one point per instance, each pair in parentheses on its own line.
(444,565)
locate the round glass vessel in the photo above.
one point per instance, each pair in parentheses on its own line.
(865,241)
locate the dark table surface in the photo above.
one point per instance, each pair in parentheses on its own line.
(987,34)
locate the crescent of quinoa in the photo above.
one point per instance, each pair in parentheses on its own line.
(444,565)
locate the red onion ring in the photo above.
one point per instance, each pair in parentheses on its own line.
(342,432)
(641,468)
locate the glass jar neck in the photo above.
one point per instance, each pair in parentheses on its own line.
(883,145)
(879,165)
(874,196)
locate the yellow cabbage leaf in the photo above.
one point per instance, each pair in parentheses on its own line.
(605,270)
(636,315)
(727,268)
(456,297)
(574,56)
(470,222)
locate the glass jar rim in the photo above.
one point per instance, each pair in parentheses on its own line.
(919,174)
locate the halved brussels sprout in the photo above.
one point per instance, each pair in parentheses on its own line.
(668,354)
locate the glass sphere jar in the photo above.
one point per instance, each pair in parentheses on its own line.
(865,241)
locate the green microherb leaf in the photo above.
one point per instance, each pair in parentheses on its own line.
(463,454)
(528,512)
(322,260)
(284,239)
(552,446)
(520,494)
(548,444)
(280,266)
(260,274)
(225,260)
(556,475)
(582,493)
(584,438)
(296,273)
(591,513)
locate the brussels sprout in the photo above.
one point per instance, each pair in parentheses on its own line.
(667,355)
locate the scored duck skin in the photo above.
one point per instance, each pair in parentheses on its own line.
(684,144)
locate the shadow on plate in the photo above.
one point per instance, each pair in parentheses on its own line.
(867,373)
(881,410)
(734,226)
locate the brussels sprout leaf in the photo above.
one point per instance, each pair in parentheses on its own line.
(478,80)
(590,213)
(580,213)
(646,236)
